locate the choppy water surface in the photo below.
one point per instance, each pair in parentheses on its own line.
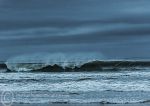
(78,87)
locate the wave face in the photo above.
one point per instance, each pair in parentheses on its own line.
(40,61)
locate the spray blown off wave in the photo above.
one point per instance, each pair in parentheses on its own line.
(58,61)
(71,63)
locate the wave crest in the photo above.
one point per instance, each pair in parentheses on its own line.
(39,61)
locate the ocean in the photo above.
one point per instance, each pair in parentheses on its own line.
(113,82)
(74,52)
(79,87)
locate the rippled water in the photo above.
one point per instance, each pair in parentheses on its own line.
(78,87)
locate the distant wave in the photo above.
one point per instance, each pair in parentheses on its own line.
(74,67)
(58,62)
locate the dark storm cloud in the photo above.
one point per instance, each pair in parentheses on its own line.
(50,25)
(94,34)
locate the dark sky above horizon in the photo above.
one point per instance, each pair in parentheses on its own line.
(117,29)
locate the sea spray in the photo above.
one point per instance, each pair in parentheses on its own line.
(37,61)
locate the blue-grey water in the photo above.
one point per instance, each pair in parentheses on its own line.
(78,87)
(43,30)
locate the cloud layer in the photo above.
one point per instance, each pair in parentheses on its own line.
(115,28)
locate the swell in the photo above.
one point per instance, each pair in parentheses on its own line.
(72,67)
(99,66)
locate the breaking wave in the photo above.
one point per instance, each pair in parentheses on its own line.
(57,60)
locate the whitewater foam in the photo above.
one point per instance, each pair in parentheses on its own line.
(111,87)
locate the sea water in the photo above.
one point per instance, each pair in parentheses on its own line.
(77,87)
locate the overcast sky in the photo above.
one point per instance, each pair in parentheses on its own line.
(117,29)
